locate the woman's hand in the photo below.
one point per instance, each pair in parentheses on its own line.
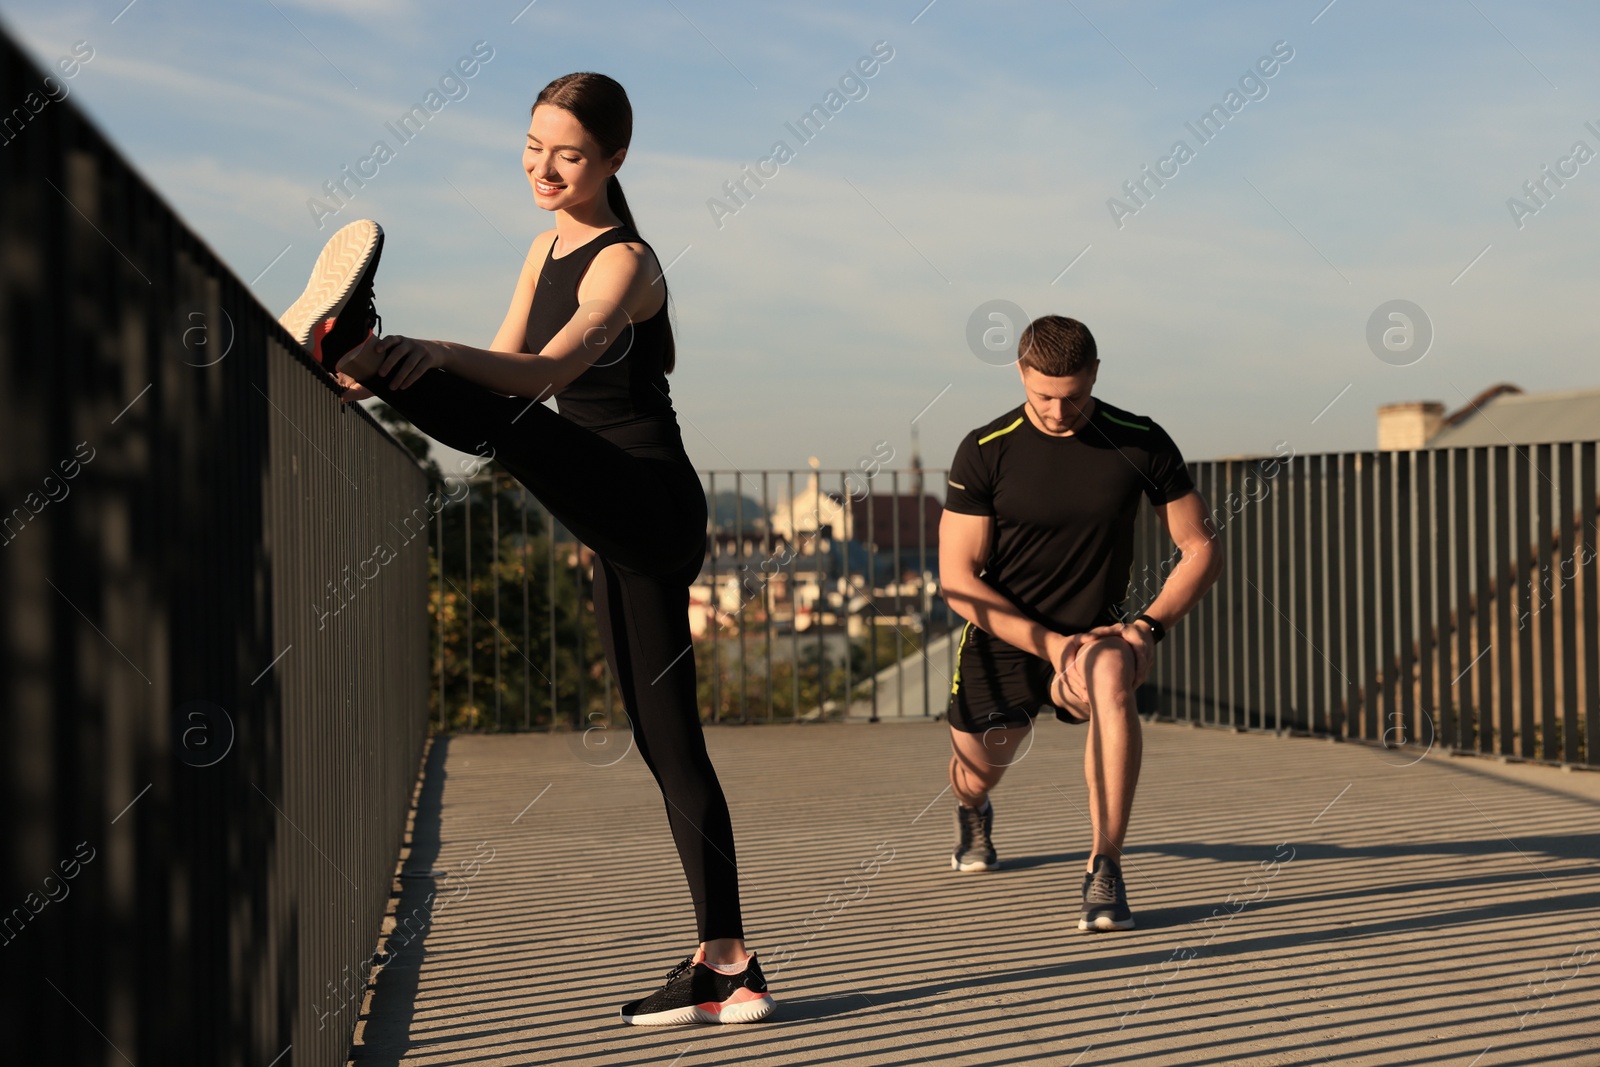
(353,390)
(405,359)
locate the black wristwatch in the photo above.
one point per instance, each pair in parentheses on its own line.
(1157,631)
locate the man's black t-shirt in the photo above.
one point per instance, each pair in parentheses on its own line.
(1064,508)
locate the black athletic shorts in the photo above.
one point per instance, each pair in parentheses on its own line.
(998,685)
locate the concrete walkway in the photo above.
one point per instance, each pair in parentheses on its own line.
(1298,902)
(936,664)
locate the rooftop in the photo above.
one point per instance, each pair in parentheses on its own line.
(1524,419)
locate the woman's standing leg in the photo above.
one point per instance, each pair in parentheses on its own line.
(644,626)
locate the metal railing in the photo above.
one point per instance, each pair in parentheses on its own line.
(213,684)
(1443,597)
(818,595)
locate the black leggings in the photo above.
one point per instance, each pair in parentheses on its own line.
(644,514)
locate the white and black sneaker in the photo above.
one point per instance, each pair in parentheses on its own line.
(695,993)
(334,313)
(1105,898)
(974,851)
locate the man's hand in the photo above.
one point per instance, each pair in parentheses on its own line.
(1062,649)
(1140,640)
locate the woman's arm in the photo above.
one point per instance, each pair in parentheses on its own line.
(622,285)
(514,329)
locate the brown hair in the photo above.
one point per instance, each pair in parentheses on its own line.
(1057,346)
(601,106)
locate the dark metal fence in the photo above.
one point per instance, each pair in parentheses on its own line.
(818,597)
(1443,597)
(213,642)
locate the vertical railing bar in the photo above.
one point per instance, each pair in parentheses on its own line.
(1481,663)
(1567,648)
(494,580)
(580,709)
(1238,698)
(844,535)
(439,587)
(1505,561)
(550,588)
(715,604)
(924,593)
(527,659)
(816,607)
(1547,536)
(794,607)
(1350,477)
(1407,489)
(744,569)
(872,596)
(1321,589)
(766,586)
(472,707)
(1446,617)
(1525,574)
(1292,538)
(1268,611)
(1588,572)
(899,611)
(1386,517)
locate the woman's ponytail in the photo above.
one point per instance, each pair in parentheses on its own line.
(619,203)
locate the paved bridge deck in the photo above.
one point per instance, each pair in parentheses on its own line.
(1439,913)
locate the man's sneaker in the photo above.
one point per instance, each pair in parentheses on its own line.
(335,313)
(1105,898)
(694,993)
(974,851)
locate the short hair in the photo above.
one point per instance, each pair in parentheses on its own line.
(1057,346)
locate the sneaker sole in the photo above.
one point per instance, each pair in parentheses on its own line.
(745,1011)
(973,865)
(1103,924)
(340,265)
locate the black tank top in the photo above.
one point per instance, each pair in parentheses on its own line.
(627,385)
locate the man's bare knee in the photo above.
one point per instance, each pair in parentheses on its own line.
(1109,661)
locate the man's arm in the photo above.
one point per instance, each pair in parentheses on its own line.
(963,548)
(1186,521)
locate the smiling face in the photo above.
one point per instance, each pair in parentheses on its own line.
(565,165)
(1058,404)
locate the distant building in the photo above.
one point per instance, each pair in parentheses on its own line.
(813,508)
(1502,414)
(909,521)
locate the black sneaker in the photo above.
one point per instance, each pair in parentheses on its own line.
(694,993)
(335,313)
(974,851)
(1105,898)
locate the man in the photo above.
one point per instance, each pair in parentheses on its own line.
(1035,551)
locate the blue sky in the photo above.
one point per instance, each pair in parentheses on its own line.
(832,309)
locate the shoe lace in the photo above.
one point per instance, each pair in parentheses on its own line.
(686,965)
(1105,886)
(972,832)
(367,312)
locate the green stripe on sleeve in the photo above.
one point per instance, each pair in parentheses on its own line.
(1000,433)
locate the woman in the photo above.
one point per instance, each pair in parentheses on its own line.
(588,324)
